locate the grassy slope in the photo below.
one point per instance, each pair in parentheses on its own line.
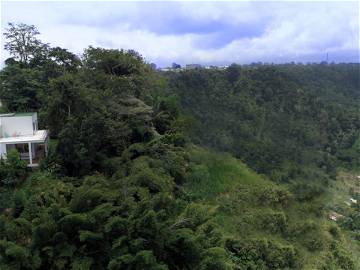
(339,193)
(245,199)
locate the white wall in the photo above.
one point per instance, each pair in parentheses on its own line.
(35,121)
(2,150)
(17,126)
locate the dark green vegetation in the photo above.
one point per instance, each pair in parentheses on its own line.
(266,227)
(294,123)
(123,187)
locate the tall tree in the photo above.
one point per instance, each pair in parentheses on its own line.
(19,87)
(22,41)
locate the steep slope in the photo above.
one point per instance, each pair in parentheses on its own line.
(291,122)
(265,226)
(343,200)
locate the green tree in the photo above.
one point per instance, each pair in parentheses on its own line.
(20,87)
(21,41)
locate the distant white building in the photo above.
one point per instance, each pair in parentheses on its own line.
(20,131)
(193,66)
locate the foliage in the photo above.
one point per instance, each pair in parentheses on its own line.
(291,122)
(111,223)
(267,228)
(261,254)
(19,88)
(22,42)
(12,169)
(109,114)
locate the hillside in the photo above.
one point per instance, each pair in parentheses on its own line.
(341,199)
(265,227)
(260,222)
(279,119)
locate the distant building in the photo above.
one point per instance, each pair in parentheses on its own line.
(193,66)
(223,67)
(211,67)
(20,131)
(177,68)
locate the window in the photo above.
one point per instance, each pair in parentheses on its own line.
(22,147)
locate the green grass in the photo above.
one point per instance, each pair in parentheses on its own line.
(244,199)
(340,191)
(217,174)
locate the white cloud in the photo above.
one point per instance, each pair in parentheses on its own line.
(177,32)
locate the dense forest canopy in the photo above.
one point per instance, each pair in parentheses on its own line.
(287,121)
(124,185)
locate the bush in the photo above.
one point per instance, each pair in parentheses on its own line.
(51,163)
(215,260)
(307,191)
(334,230)
(261,254)
(13,170)
(315,243)
(342,256)
(271,196)
(199,174)
(275,222)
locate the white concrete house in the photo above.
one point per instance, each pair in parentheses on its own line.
(20,131)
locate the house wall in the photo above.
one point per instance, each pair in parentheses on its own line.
(35,121)
(17,126)
(2,150)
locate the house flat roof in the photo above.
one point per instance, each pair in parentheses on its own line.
(17,114)
(39,136)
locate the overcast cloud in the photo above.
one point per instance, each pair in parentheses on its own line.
(199,32)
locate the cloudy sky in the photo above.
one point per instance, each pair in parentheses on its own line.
(198,32)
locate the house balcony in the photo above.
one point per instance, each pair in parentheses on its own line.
(31,148)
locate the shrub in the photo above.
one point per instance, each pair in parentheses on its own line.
(275,222)
(334,230)
(272,196)
(302,228)
(12,170)
(342,256)
(314,244)
(307,191)
(261,254)
(199,174)
(51,163)
(215,260)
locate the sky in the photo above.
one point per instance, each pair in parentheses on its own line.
(208,33)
